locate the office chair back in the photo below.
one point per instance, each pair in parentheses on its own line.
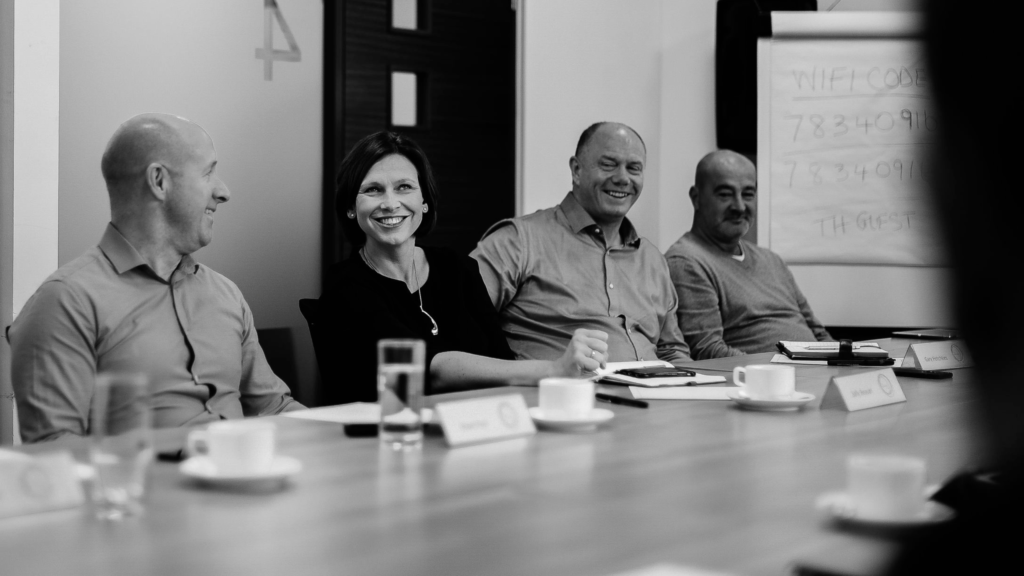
(310,308)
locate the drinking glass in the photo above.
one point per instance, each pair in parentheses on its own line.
(400,365)
(121,446)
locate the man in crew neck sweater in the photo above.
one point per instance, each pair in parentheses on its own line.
(735,297)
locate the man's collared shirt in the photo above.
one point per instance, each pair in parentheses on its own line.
(551,272)
(107,311)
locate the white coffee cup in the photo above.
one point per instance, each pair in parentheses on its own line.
(566,397)
(886,487)
(766,381)
(236,447)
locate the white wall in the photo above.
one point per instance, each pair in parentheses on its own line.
(687,108)
(196,58)
(648,63)
(586,61)
(29,109)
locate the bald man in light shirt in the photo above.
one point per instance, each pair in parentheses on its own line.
(735,297)
(139,302)
(582,264)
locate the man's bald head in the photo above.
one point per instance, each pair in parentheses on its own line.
(588,134)
(721,162)
(724,198)
(144,140)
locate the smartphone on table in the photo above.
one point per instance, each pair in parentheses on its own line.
(656,372)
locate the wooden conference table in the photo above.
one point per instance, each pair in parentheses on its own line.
(695,483)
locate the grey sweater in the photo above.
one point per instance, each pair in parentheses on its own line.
(731,308)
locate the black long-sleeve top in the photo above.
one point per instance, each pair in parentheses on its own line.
(359,307)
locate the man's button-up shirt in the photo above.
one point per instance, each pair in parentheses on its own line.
(107,311)
(551,272)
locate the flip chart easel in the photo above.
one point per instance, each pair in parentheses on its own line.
(845,120)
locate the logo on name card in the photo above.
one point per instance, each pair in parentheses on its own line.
(885,384)
(508,414)
(485,419)
(36,483)
(958,354)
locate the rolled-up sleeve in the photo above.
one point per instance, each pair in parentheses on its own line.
(262,392)
(53,367)
(501,257)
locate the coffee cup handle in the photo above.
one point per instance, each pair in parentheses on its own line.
(198,442)
(736,372)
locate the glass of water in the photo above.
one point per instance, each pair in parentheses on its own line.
(121,447)
(400,365)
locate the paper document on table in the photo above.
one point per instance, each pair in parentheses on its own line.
(353,413)
(608,375)
(669,570)
(683,393)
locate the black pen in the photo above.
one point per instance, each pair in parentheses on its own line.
(620,400)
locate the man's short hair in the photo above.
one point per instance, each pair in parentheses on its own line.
(589,133)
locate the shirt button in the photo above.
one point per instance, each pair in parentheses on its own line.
(629,331)
(641,358)
(611,286)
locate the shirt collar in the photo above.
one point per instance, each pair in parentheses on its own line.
(579,220)
(125,257)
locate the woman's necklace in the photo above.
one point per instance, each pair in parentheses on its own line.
(415,278)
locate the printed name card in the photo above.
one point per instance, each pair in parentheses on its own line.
(863,390)
(485,419)
(37,483)
(944,355)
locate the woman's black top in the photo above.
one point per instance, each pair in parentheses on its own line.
(359,307)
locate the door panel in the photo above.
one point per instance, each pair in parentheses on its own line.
(466,123)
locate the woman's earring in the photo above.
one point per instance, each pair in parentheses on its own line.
(351,214)
(425,208)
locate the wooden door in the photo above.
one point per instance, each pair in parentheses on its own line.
(463,55)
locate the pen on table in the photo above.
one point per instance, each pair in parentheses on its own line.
(620,400)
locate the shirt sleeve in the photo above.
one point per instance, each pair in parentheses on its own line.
(699,314)
(672,348)
(262,392)
(53,369)
(501,256)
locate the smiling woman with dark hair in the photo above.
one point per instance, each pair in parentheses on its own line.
(387,198)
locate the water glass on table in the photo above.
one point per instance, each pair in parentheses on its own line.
(400,367)
(121,443)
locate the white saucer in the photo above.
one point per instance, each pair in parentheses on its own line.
(586,424)
(795,401)
(201,468)
(838,506)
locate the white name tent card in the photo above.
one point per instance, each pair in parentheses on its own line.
(863,390)
(485,419)
(945,355)
(38,483)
